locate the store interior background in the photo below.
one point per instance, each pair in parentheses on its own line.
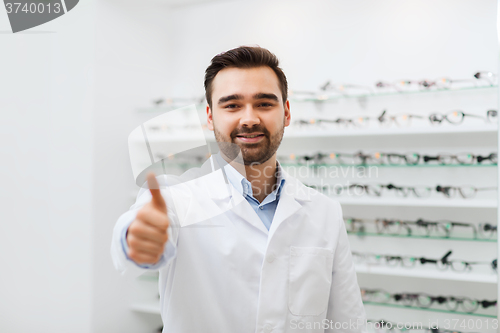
(71,88)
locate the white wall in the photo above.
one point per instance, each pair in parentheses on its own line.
(67,108)
(46,103)
(133,44)
(355,41)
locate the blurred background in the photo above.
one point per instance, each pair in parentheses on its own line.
(74,88)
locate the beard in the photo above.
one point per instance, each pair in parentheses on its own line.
(252,153)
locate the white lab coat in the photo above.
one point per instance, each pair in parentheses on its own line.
(229,274)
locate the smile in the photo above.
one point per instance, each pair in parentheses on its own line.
(250,138)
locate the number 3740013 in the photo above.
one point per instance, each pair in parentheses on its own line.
(17,7)
(472,324)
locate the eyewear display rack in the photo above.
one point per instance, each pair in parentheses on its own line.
(474,135)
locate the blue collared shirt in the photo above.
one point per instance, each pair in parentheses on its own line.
(267,208)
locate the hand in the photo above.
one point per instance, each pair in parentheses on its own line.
(147,234)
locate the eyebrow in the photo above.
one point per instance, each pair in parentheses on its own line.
(240,97)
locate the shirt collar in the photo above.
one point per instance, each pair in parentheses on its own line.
(243,186)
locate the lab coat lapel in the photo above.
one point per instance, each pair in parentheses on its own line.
(234,201)
(243,209)
(292,195)
(200,194)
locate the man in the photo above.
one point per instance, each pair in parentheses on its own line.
(271,255)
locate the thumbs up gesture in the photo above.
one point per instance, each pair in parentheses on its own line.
(147,234)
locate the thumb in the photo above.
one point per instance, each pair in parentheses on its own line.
(157,201)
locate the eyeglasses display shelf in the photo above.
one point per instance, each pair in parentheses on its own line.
(432,273)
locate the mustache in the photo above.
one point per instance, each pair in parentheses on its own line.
(246,130)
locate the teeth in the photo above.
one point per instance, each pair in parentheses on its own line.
(250,136)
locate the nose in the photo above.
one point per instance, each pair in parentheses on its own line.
(249,117)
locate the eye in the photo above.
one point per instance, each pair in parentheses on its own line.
(266,104)
(231,106)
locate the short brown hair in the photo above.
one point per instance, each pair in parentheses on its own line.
(244,57)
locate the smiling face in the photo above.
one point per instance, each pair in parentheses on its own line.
(247,110)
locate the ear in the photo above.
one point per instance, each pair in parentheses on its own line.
(210,121)
(287,113)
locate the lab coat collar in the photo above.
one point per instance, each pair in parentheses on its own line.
(243,186)
(289,185)
(294,188)
(292,195)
